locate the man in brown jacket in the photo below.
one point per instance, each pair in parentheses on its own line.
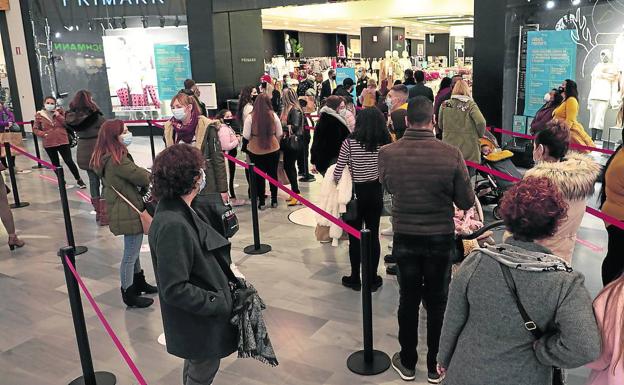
(425,177)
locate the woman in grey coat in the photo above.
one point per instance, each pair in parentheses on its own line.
(195,298)
(484,339)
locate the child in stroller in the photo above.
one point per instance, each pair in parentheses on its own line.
(491,188)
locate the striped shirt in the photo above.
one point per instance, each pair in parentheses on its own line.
(365,163)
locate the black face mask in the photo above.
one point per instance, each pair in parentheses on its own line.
(228,121)
(264,85)
(561,90)
(253,97)
(333,77)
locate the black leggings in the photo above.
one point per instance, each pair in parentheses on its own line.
(267,163)
(232,169)
(290,161)
(65,151)
(370,205)
(613,264)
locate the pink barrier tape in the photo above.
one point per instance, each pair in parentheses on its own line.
(49,179)
(145,121)
(349,229)
(572,145)
(488,170)
(106,325)
(590,245)
(158,126)
(84,196)
(40,161)
(23,123)
(606,218)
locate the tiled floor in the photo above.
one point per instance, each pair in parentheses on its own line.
(313,321)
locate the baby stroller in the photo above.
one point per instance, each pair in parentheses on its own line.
(490,188)
(470,231)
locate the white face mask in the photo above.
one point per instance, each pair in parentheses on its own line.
(50,107)
(202,184)
(389,102)
(547,98)
(179,113)
(343,112)
(126,139)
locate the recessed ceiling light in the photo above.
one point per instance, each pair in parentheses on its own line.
(550,4)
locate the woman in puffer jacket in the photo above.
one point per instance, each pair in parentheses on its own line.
(574,174)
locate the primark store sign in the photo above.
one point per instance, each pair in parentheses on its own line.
(105,3)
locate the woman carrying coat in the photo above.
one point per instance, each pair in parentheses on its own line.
(574,175)
(292,119)
(85,117)
(568,112)
(195,299)
(329,134)
(485,339)
(115,167)
(50,127)
(462,123)
(188,126)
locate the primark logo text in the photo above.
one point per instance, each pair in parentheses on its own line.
(96,3)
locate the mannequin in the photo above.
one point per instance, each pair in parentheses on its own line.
(385,68)
(618,58)
(604,92)
(397,67)
(288,46)
(405,61)
(342,51)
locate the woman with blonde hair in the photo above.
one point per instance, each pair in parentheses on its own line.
(190,127)
(462,123)
(370,95)
(292,119)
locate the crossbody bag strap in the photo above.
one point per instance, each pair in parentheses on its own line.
(351,171)
(133,207)
(529,324)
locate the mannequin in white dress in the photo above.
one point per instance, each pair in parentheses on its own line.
(603,93)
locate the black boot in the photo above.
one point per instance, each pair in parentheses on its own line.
(142,286)
(131,298)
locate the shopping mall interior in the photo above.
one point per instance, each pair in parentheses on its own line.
(61,320)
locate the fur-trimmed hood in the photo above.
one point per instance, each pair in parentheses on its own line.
(575,176)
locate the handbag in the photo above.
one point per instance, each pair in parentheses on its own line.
(557,374)
(219,215)
(352,207)
(144,216)
(71,136)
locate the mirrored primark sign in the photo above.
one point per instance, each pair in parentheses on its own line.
(90,9)
(103,3)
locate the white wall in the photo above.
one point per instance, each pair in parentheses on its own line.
(21,64)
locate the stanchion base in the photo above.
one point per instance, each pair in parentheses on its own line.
(379,364)
(101,378)
(22,204)
(252,249)
(81,250)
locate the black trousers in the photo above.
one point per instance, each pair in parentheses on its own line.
(370,206)
(304,154)
(424,272)
(267,163)
(232,170)
(65,152)
(290,167)
(613,264)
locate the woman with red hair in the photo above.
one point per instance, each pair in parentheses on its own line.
(122,177)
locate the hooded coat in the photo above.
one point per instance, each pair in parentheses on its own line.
(462,126)
(575,177)
(87,125)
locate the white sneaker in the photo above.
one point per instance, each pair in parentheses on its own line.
(390,245)
(387,232)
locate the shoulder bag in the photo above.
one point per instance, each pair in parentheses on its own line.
(219,215)
(291,142)
(144,216)
(352,207)
(557,374)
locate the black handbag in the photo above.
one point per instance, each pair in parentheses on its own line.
(221,216)
(71,136)
(352,207)
(557,374)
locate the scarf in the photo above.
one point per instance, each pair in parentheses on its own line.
(335,114)
(185,132)
(518,256)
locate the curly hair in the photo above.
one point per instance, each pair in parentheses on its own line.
(533,208)
(555,137)
(175,171)
(370,129)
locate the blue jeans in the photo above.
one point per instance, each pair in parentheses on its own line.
(130,264)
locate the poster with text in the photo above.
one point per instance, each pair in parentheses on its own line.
(551,58)
(173,67)
(342,74)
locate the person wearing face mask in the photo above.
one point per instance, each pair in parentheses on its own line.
(396,101)
(84,117)
(188,126)
(552,100)
(329,86)
(50,126)
(331,130)
(573,173)
(229,143)
(568,111)
(121,176)
(191,89)
(195,296)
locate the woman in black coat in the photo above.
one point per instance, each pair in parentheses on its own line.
(331,130)
(195,298)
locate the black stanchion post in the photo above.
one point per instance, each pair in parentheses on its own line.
(89,376)
(367,362)
(11,163)
(23,130)
(151,132)
(60,175)
(36,141)
(257,248)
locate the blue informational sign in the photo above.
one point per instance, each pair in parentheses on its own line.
(342,74)
(173,67)
(551,58)
(520,124)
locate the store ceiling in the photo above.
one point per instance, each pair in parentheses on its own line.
(347,17)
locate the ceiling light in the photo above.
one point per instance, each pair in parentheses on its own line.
(576,2)
(162,22)
(69,28)
(57,35)
(550,4)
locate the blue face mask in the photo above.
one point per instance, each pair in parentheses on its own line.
(126,139)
